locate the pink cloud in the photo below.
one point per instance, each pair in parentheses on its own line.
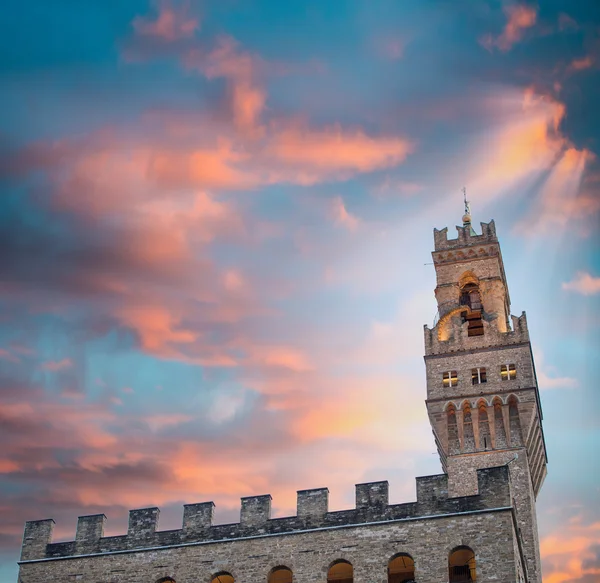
(170,24)
(158,422)
(279,356)
(581,64)
(520,17)
(584,284)
(156,326)
(6,355)
(242,70)
(332,152)
(341,214)
(391,48)
(56,365)
(566,23)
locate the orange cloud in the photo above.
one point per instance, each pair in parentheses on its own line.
(568,554)
(170,24)
(279,356)
(333,152)
(520,18)
(156,326)
(581,64)
(584,284)
(201,168)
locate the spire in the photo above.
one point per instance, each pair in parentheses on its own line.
(467,216)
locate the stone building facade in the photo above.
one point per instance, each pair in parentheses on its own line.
(475,522)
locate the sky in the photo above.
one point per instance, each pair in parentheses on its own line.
(215,232)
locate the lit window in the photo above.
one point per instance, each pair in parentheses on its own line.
(450,378)
(508,372)
(478,375)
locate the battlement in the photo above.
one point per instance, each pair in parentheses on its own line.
(313,513)
(450,335)
(465,238)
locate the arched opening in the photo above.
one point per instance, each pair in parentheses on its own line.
(485,438)
(461,565)
(222,577)
(280,575)
(470,296)
(499,425)
(469,438)
(515,422)
(401,569)
(166,580)
(453,441)
(340,572)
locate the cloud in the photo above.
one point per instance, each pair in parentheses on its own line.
(571,554)
(6,355)
(581,63)
(310,156)
(520,17)
(583,283)
(56,365)
(243,72)
(341,214)
(170,24)
(561,201)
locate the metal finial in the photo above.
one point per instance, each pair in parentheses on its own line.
(467,203)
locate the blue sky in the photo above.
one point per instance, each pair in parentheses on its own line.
(216,224)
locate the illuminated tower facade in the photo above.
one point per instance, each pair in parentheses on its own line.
(482,394)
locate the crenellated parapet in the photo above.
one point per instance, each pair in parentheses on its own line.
(450,334)
(465,237)
(372,506)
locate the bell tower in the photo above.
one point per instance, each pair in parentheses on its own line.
(482,394)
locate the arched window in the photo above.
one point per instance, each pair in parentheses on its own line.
(280,575)
(461,565)
(485,439)
(340,572)
(499,424)
(469,439)
(401,569)
(222,577)
(453,442)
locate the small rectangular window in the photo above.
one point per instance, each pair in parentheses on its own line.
(450,378)
(508,372)
(478,375)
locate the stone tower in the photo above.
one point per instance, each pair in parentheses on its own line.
(482,394)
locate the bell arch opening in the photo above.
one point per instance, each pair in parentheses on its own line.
(461,565)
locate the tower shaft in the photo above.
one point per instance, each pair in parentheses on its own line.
(482,395)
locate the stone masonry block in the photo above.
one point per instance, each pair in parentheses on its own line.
(143,522)
(38,534)
(90,528)
(312,503)
(198,517)
(372,494)
(431,488)
(256,510)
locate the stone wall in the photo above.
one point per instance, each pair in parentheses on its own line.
(367,536)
